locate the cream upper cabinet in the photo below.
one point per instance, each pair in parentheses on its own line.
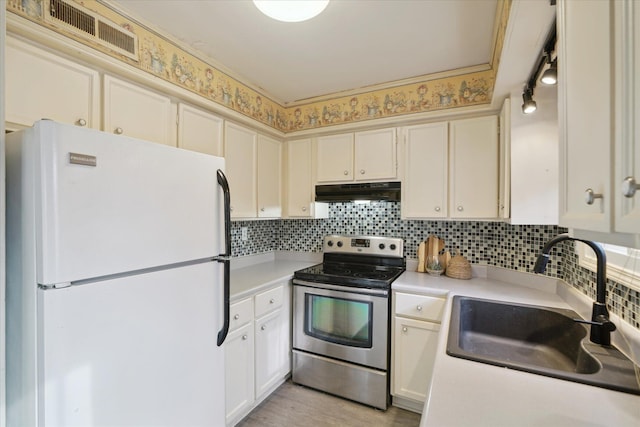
(269,177)
(425,183)
(335,158)
(627,89)
(199,130)
(361,156)
(504,179)
(132,110)
(300,190)
(585,100)
(42,85)
(240,151)
(375,155)
(473,168)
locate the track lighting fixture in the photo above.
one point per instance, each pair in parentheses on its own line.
(548,77)
(529,105)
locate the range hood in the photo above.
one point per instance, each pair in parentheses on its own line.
(387,191)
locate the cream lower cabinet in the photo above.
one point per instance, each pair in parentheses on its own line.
(42,85)
(416,325)
(129,109)
(257,350)
(199,130)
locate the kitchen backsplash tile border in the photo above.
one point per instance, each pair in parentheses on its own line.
(482,242)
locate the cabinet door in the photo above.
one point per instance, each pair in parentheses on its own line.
(299,184)
(584,113)
(199,130)
(239,372)
(425,182)
(473,168)
(41,85)
(269,177)
(375,155)
(240,155)
(414,350)
(504,189)
(627,66)
(137,112)
(272,351)
(335,158)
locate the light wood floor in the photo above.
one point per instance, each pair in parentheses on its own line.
(293,405)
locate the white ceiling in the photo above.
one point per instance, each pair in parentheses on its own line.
(352,44)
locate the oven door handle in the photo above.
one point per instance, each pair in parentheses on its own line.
(349,289)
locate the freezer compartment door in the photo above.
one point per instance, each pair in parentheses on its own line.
(135,351)
(112,204)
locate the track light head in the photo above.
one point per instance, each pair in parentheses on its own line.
(550,75)
(529,105)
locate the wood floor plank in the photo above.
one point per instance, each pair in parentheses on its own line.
(293,405)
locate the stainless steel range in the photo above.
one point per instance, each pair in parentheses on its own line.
(341,318)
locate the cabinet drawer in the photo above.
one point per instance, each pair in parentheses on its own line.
(419,306)
(269,300)
(240,313)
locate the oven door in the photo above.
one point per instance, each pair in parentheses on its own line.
(345,323)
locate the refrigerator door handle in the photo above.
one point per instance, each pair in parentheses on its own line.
(224,258)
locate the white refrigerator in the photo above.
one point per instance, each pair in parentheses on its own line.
(117,283)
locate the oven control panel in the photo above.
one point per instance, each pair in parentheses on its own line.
(369,245)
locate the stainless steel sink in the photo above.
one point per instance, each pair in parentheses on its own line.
(540,340)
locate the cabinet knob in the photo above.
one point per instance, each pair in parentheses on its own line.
(346,172)
(590,196)
(236,317)
(404,329)
(244,338)
(437,209)
(81,122)
(261,209)
(361,171)
(263,327)
(419,308)
(460,208)
(304,209)
(629,186)
(231,208)
(118,131)
(271,301)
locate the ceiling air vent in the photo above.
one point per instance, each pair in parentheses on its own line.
(93,27)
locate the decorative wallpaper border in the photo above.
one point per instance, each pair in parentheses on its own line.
(166,60)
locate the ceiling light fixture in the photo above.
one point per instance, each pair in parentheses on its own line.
(529,105)
(291,10)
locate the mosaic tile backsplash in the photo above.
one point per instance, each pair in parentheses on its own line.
(482,242)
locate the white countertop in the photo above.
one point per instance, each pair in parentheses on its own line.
(468,393)
(253,273)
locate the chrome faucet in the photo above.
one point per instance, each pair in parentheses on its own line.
(601,326)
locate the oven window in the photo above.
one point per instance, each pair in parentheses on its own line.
(339,320)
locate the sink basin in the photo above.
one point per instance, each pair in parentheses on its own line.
(540,340)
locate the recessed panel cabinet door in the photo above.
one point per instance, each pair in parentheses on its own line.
(299,187)
(335,158)
(425,182)
(375,154)
(239,371)
(240,153)
(40,85)
(584,114)
(137,112)
(269,177)
(473,168)
(199,130)
(627,65)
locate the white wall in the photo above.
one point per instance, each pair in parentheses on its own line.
(534,159)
